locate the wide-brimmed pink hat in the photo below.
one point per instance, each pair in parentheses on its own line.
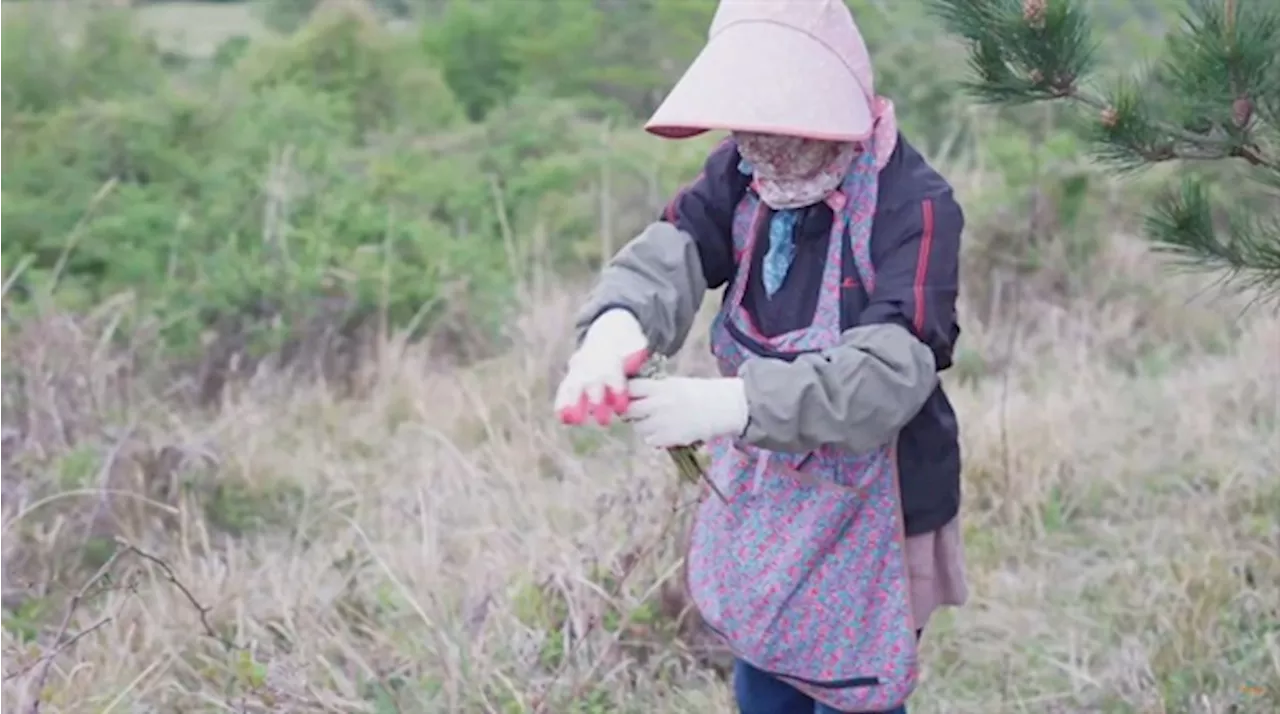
(794,67)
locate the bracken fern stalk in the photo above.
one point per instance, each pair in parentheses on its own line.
(686,458)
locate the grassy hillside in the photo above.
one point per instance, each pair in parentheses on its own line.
(282,320)
(437,543)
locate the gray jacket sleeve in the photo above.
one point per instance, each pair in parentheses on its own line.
(658,276)
(856,395)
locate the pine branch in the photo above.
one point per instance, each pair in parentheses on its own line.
(1213,95)
(1022,55)
(1183,223)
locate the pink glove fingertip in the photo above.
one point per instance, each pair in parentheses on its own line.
(575,414)
(631,365)
(618,400)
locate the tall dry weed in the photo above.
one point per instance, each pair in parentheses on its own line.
(435,541)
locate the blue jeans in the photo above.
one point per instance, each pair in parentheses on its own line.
(761,693)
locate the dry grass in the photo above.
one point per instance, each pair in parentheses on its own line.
(438,542)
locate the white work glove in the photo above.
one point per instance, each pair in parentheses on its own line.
(613,348)
(682,411)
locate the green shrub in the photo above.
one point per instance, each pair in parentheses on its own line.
(233,205)
(312,185)
(382,80)
(475,45)
(49,64)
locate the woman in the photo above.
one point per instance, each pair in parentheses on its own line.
(829,433)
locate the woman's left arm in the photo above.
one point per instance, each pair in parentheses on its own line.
(860,393)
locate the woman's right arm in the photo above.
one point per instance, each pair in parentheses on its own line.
(660,276)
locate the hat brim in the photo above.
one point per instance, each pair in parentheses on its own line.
(768,78)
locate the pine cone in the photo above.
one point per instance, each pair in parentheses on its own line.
(1242,111)
(1033,12)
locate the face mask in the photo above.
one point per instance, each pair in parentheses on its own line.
(792,171)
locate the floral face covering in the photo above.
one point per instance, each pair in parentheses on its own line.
(792,172)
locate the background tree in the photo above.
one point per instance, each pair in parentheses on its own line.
(1213,93)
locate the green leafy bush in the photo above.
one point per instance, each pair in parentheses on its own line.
(321,183)
(337,179)
(48,64)
(381,80)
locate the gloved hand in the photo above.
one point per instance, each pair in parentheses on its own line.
(681,411)
(613,348)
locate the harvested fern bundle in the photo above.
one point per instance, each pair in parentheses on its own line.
(686,458)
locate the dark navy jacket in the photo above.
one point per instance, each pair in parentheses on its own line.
(915,245)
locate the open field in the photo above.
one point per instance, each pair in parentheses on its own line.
(441,534)
(427,538)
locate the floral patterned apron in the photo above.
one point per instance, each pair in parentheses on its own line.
(803,572)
